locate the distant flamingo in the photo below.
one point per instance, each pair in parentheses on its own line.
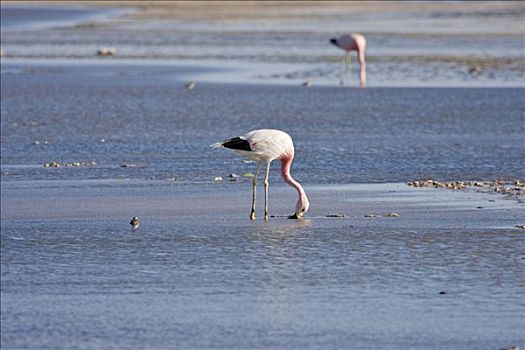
(267,145)
(353,42)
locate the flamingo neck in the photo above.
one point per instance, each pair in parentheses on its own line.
(286,164)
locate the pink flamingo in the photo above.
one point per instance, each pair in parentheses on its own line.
(353,42)
(267,145)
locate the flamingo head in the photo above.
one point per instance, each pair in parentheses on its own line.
(301,207)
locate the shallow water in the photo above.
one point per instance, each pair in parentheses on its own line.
(142,115)
(198,274)
(183,283)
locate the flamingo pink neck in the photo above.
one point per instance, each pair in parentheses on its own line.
(286,164)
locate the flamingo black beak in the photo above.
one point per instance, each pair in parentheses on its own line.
(333,41)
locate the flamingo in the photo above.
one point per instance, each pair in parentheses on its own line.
(267,145)
(353,42)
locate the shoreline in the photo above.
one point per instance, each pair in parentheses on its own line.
(364,205)
(239,72)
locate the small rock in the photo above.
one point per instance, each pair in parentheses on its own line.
(520,226)
(370,216)
(234,177)
(218,178)
(442,293)
(308,83)
(336,215)
(190,85)
(247,161)
(248,175)
(52,165)
(135,223)
(475,70)
(128,166)
(391,215)
(106,51)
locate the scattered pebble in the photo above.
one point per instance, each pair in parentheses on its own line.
(52,164)
(336,215)
(391,215)
(55,164)
(520,226)
(475,70)
(218,178)
(135,223)
(234,177)
(247,161)
(106,51)
(190,85)
(514,188)
(370,216)
(514,347)
(308,83)
(128,165)
(45,142)
(248,175)
(442,293)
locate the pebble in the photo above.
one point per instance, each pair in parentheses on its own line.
(442,293)
(128,165)
(190,85)
(55,164)
(308,83)
(336,215)
(391,215)
(135,223)
(475,70)
(52,165)
(370,216)
(248,175)
(218,178)
(234,177)
(106,51)
(520,226)
(514,187)
(45,142)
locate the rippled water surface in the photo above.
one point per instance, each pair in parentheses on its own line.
(191,285)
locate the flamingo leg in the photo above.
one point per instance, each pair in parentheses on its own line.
(348,63)
(266,185)
(342,73)
(254,193)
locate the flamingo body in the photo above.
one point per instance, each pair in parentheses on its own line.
(267,145)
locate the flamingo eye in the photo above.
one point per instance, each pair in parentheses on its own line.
(302,210)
